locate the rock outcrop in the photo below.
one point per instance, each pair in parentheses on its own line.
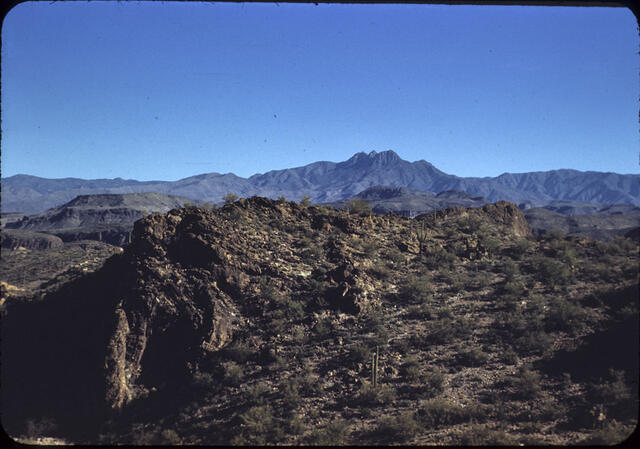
(189,280)
(13,239)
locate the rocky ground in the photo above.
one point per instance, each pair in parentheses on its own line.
(259,323)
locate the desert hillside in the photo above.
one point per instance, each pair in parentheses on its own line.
(274,322)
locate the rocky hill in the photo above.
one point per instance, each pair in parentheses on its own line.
(410,202)
(105,217)
(267,322)
(13,239)
(602,227)
(327,182)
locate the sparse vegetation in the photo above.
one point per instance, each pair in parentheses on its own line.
(471,322)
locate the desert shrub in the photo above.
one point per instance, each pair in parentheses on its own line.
(479,435)
(259,426)
(368,395)
(550,410)
(420,311)
(257,393)
(510,356)
(416,289)
(619,245)
(472,357)
(335,433)
(510,269)
(514,288)
(526,383)
(359,206)
(395,255)
(323,329)
(359,353)
(410,369)
(230,198)
(233,373)
(446,330)
(290,390)
(309,382)
(480,280)
(471,225)
(563,315)
(431,382)
(305,201)
(203,382)
(523,326)
(555,234)
(615,395)
(289,308)
(397,429)
(489,243)
(439,258)
(612,433)
(380,271)
(552,271)
(521,246)
(439,412)
(239,351)
(170,437)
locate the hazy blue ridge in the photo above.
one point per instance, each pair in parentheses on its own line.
(330,181)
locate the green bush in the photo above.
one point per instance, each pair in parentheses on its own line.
(615,395)
(359,206)
(439,412)
(526,383)
(416,289)
(359,353)
(552,271)
(258,426)
(290,390)
(447,330)
(368,395)
(335,433)
(397,429)
(431,382)
(410,369)
(380,271)
(479,435)
(305,201)
(563,315)
(612,433)
(472,357)
(230,198)
(257,393)
(233,373)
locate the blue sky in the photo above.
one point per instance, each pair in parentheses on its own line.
(169,90)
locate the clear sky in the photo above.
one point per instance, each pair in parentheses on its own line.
(169,90)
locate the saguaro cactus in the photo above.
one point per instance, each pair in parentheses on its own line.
(374,367)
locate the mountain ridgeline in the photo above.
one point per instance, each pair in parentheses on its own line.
(327,182)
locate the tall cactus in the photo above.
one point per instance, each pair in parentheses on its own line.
(421,236)
(374,367)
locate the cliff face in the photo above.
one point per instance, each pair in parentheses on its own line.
(13,239)
(189,281)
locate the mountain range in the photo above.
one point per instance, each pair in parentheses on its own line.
(334,181)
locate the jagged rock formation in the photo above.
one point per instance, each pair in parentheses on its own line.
(504,214)
(13,239)
(190,279)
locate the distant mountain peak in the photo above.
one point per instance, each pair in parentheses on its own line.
(382,158)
